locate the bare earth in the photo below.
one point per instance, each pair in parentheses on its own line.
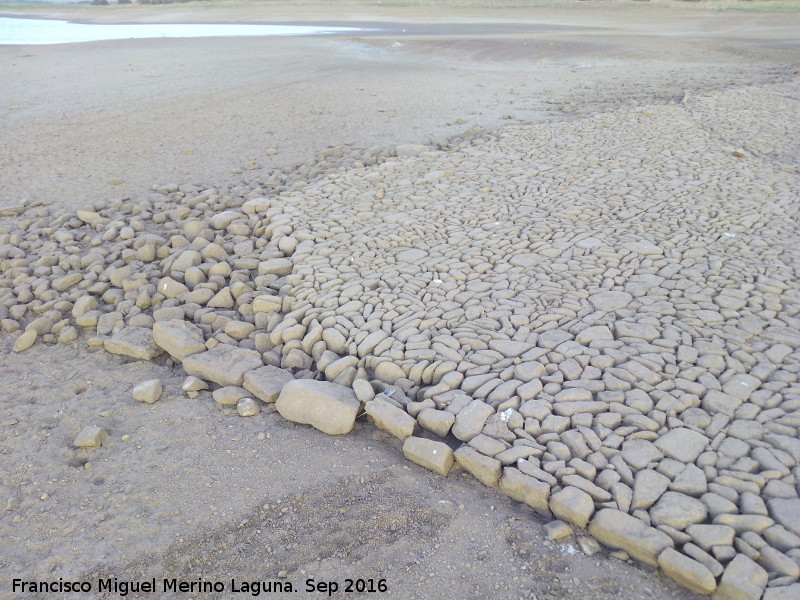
(193,492)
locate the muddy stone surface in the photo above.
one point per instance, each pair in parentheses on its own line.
(184,489)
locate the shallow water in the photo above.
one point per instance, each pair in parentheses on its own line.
(18,32)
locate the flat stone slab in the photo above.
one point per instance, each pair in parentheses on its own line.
(687,571)
(436,421)
(718,402)
(639,453)
(610,301)
(644,248)
(568,409)
(510,348)
(179,338)
(266,383)
(524,488)
(787,592)
(572,505)
(707,536)
(225,364)
(471,419)
(682,444)
(411,255)
(275,266)
(525,260)
(390,418)
(433,455)
(483,468)
(786,511)
(678,511)
(329,407)
(136,342)
(620,530)
(590,334)
(741,385)
(266,303)
(648,487)
(743,579)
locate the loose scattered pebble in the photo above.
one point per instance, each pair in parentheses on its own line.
(147,391)
(90,436)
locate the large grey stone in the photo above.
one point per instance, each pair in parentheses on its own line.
(275,266)
(743,579)
(471,420)
(678,511)
(640,453)
(743,523)
(707,536)
(778,562)
(179,338)
(741,385)
(225,364)
(572,505)
(590,334)
(136,342)
(687,571)
(390,418)
(329,407)
(648,487)
(510,348)
(569,409)
(786,592)
(483,468)
(610,301)
(617,529)
(682,444)
(266,383)
(691,481)
(786,511)
(718,402)
(596,492)
(436,421)
(526,489)
(433,455)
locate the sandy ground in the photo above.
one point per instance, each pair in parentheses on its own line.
(194,493)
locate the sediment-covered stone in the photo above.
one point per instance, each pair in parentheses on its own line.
(743,579)
(266,383)
(329,407)
(390,418)
(135,342)
(572,505)
(526,489)
(617,529)
(179,338)
(686,571)
(484,468)
(471,420)
(225,364)
(433,455)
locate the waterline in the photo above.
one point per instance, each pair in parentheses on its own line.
(23,32)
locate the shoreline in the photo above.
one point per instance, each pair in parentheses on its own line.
(176,112)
